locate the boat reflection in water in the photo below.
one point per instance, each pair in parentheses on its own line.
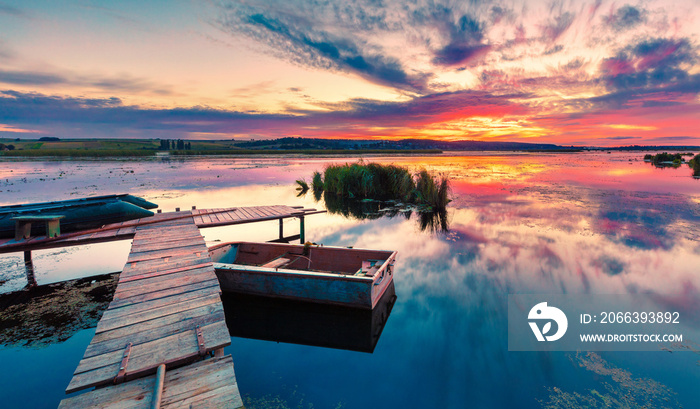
(307,323)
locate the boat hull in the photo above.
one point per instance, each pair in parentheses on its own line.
(82,216)
(337,286)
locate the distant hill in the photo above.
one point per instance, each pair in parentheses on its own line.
(308,143)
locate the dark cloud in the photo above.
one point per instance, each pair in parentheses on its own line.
(660,104)
(574,64)
(430,108)
(609,265)
(557,26)
(652,71)
(658,95)
(82,117)
(675,138)
(30,78)
(625,18)
(465,40)
(299,40)
(95,117)
(554,49)
(12,11)
(499,13)
(621,138)
(361,36)
(455,54)
(649,63)
(124,83)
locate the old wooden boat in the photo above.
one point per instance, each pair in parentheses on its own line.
(329,275)
(78,214)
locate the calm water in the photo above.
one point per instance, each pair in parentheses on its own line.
(519,223)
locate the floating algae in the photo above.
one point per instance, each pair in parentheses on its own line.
(624,391)
(49,314)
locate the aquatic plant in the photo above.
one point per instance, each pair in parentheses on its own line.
(664,158)
(384,182)
(433,192)
(436,222)
(695,165)
(317,185)
(289,400)
(303,186)
(372,191)
(617,388)
(317,182)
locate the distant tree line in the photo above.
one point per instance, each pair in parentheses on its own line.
(180,145)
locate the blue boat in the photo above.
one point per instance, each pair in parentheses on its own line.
(329,275)
(78,214)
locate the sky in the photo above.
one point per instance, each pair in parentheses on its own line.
(588,72)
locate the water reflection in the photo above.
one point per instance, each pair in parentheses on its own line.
(368,209)
(519,223)
(306,323)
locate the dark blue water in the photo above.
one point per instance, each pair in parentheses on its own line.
(518,224)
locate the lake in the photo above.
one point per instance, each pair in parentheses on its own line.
(578,223)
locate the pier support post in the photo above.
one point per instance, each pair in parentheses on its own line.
(29,268)
(158,388)
(218,353)
(302,236)
(281,228)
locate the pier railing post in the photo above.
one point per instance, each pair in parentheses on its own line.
(281,228)
(158,387)
(29,268)
(302,236)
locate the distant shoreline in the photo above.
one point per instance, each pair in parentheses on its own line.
(104,153)
(50,147)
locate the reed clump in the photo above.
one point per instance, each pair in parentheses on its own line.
(384,182)
(302,185)
(695,165)
(665,158)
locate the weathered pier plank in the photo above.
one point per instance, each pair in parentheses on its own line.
(206,384)
(166,310)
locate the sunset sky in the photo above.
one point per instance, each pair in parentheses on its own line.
(592,72)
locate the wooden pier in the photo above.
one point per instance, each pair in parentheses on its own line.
(160,342)
(125,231)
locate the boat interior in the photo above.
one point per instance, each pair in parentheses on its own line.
(312,258)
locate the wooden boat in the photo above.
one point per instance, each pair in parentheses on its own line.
(306,323)
(329,275)
(78,214)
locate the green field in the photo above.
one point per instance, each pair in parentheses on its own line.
(149,147)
